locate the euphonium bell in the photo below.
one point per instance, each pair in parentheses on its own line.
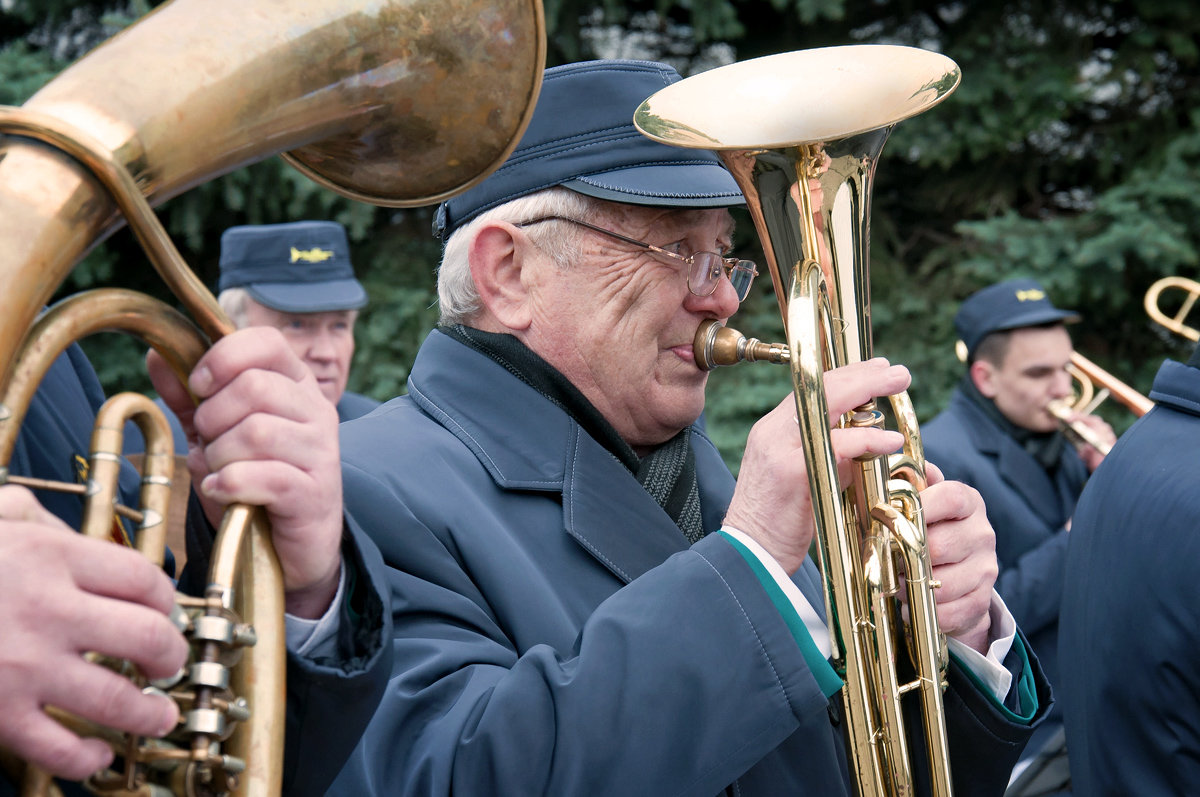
(393,102)
(801,133)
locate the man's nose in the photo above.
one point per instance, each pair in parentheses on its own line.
(320,346)
(721,303)
(1064,384)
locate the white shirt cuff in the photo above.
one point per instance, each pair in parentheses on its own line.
(312,638)
(989,669)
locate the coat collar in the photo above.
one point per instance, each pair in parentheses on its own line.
(1177,386)
(526,442)
(1014,464)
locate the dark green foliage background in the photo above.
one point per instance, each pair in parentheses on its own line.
(1070,153)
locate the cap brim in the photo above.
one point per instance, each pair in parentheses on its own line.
(1037,318)
(309,297)
(686,184)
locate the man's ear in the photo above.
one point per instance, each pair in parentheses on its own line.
(498,254)
(983,374)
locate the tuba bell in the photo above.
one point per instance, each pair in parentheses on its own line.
(801,133)
(394,102)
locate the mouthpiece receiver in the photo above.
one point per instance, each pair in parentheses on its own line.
(715,345)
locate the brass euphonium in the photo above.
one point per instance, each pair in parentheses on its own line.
(801,133)
(393,102)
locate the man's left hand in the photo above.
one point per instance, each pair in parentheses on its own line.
(1104,433)
(263,434)
(962,550)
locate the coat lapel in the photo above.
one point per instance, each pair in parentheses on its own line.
(539,447)
(611,516)
(1015,465)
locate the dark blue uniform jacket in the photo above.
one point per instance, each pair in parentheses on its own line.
(1130,640)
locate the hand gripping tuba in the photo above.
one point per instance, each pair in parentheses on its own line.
(801,133)
(392,102)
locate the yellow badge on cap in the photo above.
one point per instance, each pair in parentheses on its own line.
(314,255)
(1031,295)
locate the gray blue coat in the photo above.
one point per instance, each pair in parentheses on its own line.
(554,633)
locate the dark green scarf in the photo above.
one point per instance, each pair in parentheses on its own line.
(668,473)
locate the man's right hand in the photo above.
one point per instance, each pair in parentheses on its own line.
(61,595)
(771,502)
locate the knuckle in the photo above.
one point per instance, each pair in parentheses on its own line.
(111,700)
(159,645)
(62,755)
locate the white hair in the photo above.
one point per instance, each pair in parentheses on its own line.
(235,303)
(458,298)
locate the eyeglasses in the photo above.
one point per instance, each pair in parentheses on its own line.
(704,269)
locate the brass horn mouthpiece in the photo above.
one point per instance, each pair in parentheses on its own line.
(716,344)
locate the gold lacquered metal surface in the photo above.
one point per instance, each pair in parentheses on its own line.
(803,97)
(396,102)
(802,133)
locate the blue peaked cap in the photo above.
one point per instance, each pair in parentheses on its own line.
(582,137)
(297,267)
(1006,305)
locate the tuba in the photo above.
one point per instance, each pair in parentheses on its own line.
(394,102)
(801,133)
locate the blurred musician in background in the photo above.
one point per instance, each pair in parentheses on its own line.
(1129,646)
(266,436)
(584,601)
(298,278)
(998,436)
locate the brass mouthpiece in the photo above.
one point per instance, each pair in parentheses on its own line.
(1077,433)
(715,345)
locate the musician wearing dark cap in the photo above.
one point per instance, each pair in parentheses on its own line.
(585,603)
(298,278)
(998,435)
(1129,643)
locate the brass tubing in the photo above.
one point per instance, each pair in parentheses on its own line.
(1134,401)
(715,345)
(1175,323)
(797,135)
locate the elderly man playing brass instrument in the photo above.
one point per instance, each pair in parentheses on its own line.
(584,601)
(262,434)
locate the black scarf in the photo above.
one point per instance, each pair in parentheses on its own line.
(668,473)
(1045,447)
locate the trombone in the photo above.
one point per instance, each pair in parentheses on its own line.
(1174,323)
